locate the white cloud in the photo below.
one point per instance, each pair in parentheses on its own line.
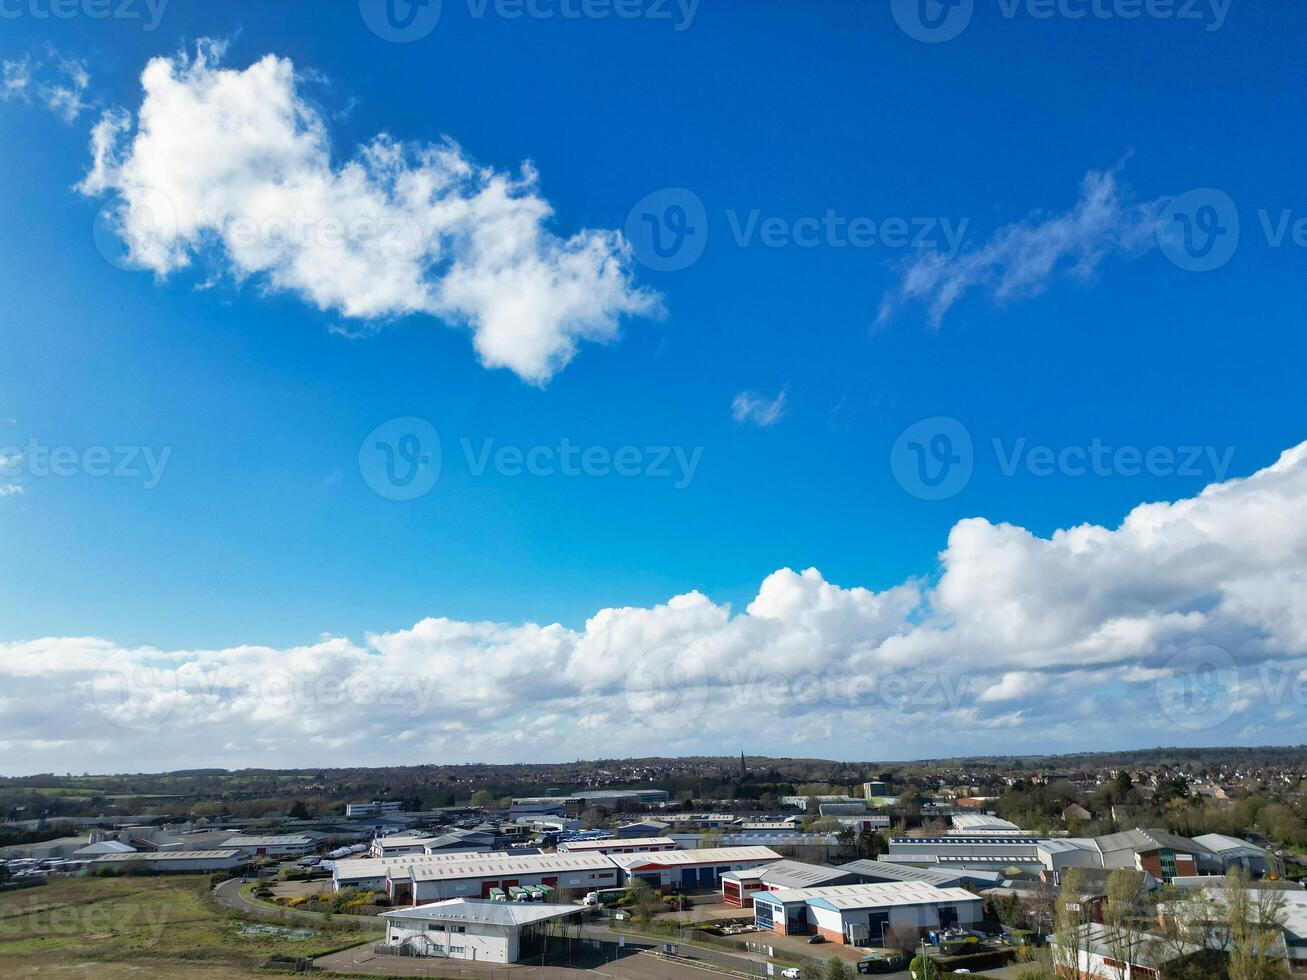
(750,407)
(10,489)
(235,167)
(54,82)
(1021,642)
(1022,259)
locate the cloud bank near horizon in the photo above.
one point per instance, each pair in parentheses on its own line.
(1021,641)
(233,169)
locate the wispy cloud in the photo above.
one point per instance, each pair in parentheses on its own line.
(1023,258)
(53,82)
(10,489)
(753,408)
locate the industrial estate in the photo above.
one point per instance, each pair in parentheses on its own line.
(876,877)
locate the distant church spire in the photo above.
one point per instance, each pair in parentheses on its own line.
(744,770)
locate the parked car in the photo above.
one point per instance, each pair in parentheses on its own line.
(790,973)
(816,938)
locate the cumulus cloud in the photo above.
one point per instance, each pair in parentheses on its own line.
(1015,642)
(752,408)
(54,82)
(1022,259)
(234,167)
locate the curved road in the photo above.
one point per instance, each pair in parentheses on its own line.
(228,894)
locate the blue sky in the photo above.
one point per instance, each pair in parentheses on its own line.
(785,369)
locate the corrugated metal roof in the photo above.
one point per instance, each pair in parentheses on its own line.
(496,913)
(896,893)
(706,855)
(476,866)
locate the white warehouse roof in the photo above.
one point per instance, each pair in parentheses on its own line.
(496,913)
(897,893)
(572,846)
(477,866)
(703,855)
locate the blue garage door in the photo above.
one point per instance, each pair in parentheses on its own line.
(707,878)
(687,877)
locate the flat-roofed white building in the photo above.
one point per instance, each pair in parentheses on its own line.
(472,929)
(614,845)
(861,915)
(369,872)
(172,862)
(476,874)
(982,823)
(275,845)
(401,844)
(691,869)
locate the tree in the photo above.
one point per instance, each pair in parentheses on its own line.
(1122,933)
(1068,923)
(481,797)
(923,968)
(647,902)
(1188,922)
(298,811)
(837,969)
(901,938)
(1254,921)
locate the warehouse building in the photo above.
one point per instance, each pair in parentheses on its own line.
(691,869)
(477,874)
(396,844)
(613,845)
(738,886)
(170,862)
(369,872)
(280,845)
(861,915)
(980,823)
(488,932)
(881,872)
(1236,853)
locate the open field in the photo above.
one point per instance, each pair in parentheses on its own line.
(147,927)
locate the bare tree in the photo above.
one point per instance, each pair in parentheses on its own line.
(1188,923)
(1254,919)
(1068,924)
(1122,932)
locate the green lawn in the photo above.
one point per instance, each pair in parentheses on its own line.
(147,927)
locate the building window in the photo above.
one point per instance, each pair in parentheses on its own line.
(436,926)
(457,949)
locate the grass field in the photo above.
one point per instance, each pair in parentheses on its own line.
(146,927)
